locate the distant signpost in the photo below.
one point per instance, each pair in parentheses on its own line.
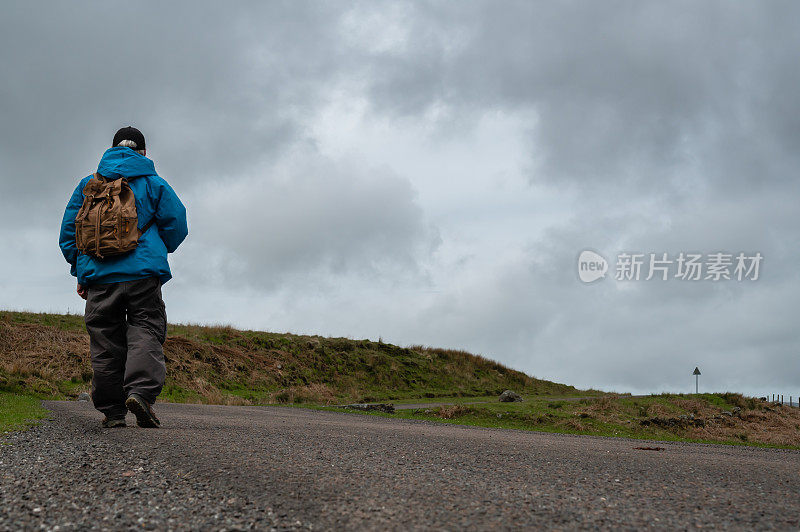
(696,380)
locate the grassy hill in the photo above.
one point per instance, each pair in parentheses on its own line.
(48,354)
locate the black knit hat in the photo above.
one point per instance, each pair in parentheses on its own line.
(129,133)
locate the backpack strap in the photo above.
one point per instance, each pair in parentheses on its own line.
(103,180)
(147,226)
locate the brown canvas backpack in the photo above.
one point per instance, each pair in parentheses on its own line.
(106,224)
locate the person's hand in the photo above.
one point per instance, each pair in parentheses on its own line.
(81,291)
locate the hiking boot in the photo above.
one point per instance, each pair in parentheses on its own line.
(114,422)
(145,417)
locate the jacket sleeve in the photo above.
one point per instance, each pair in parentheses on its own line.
(170,216)
(66,240)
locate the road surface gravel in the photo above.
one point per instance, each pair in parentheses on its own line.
(234,468)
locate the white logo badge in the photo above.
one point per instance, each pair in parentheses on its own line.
(591,266)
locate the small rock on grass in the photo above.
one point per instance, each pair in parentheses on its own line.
(509,396)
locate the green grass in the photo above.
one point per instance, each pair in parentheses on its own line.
(63,322)
(19,411)
(175,394)
(614,416)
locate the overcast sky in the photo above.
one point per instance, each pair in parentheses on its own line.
(428,173)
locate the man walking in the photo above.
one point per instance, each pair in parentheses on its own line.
(118,227)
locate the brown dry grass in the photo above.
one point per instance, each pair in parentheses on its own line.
(755,422)
(603,405)
(39,356)
(773,425)
(312,393)
(454,411)
(209,394)
(188,360)
(572,424)
(604,409)
(36,356)
(737,399)
(658,410)
(698,407)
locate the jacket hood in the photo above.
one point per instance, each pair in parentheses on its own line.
(124,162)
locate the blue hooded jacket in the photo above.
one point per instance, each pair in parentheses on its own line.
(155,200)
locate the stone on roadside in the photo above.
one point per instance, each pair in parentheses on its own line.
(509,396)
(382,407)
(84,397)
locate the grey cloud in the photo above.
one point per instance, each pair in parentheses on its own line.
(308,220)
(534,313)
(628,93)
(215,89)
(221,92)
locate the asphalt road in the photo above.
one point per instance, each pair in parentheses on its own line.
(214,467)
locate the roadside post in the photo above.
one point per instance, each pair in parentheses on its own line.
(696,380)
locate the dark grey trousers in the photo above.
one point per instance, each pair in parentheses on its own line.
(127,325)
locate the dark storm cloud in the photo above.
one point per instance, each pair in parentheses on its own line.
(628,93)
(213,88)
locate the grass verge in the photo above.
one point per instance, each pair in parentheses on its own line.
(727,418)
(19,411)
